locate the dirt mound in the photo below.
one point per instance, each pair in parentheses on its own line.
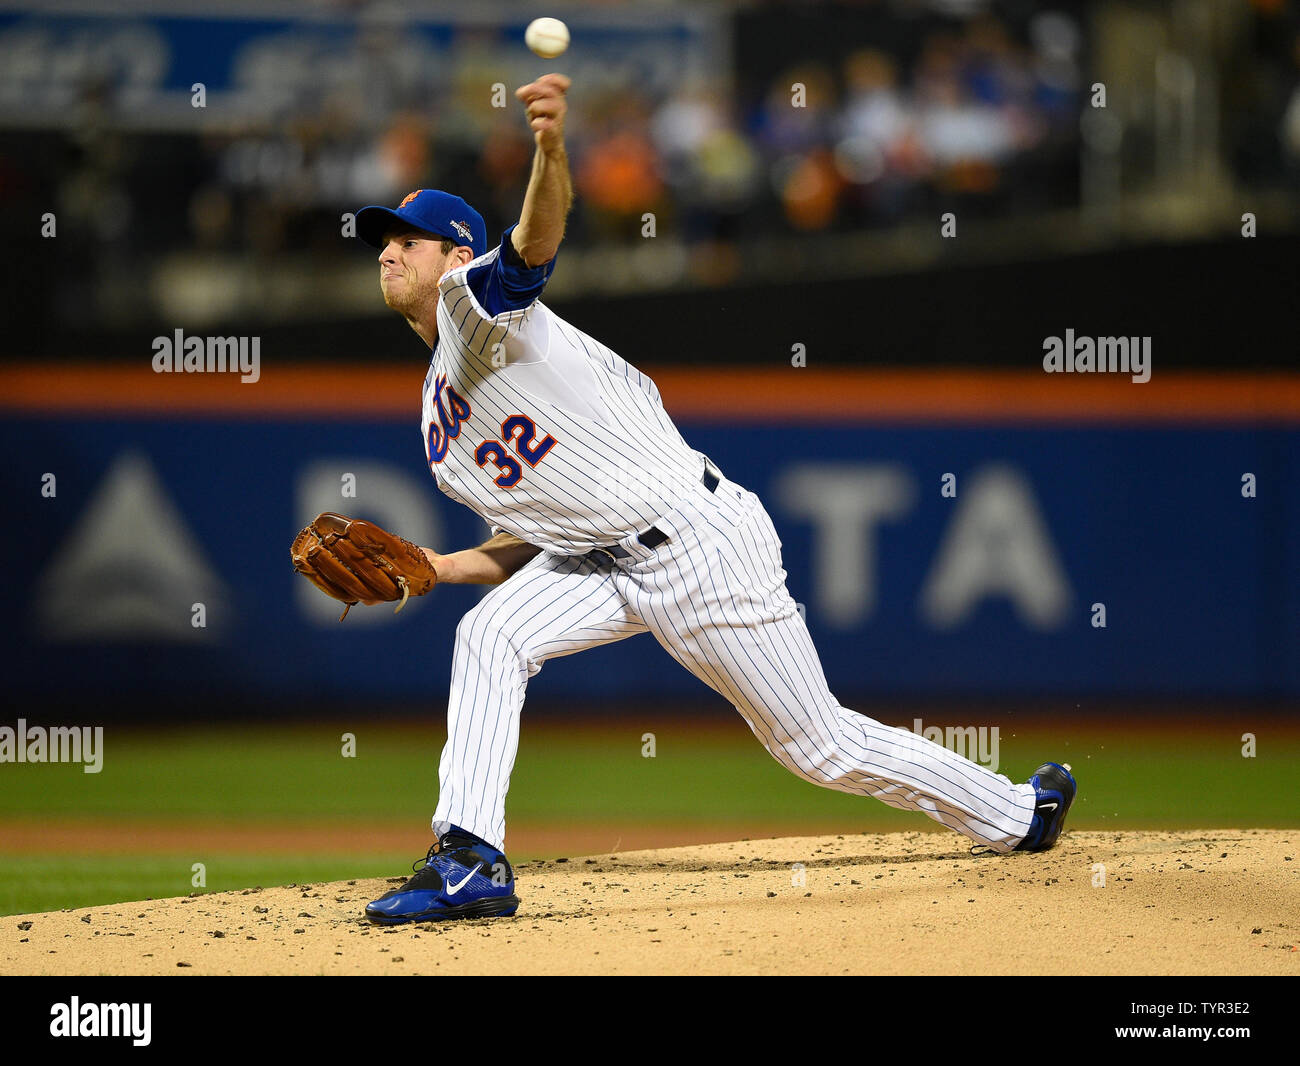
(1206,902)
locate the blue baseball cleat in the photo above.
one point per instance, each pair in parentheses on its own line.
(1056,788)
(463,876)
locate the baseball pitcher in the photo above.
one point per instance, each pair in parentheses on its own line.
(606,523)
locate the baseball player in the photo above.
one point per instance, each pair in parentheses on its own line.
(606,523)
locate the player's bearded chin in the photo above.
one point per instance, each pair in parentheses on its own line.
(402,295)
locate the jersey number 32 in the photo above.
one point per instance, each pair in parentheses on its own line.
(518,431)
(521,431)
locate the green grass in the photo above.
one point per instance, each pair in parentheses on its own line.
(48,882)
(1130,777)
(1179,781)
(590,773)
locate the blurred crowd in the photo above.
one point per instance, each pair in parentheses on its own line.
(976,113)
(977,117)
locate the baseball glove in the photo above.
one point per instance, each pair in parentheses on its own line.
(358,562)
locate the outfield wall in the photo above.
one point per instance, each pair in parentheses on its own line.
(1066,493)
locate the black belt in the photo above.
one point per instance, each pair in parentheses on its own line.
(654,536)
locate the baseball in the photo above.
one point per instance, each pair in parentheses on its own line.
(547,37)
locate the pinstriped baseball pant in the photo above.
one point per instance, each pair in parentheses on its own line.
(714,596)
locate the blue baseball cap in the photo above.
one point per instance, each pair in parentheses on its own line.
(431,210)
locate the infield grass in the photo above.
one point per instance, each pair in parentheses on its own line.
(707,773)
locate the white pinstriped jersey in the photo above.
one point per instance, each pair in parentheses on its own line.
(546,433)
(542,430)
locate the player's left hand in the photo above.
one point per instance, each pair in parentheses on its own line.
(545,106)
(356,561)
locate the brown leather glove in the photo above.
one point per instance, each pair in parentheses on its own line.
(359,562)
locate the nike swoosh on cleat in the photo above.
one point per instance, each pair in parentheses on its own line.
(1047,806)
(453,889)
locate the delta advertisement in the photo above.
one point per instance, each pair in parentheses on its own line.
(929,560)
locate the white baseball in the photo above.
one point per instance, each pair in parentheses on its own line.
(547,37)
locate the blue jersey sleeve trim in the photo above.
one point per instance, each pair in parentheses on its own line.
(507,283)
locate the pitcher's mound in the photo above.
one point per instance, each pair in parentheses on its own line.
(1205,902)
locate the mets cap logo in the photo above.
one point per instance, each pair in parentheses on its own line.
(409,197)
(462,228)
